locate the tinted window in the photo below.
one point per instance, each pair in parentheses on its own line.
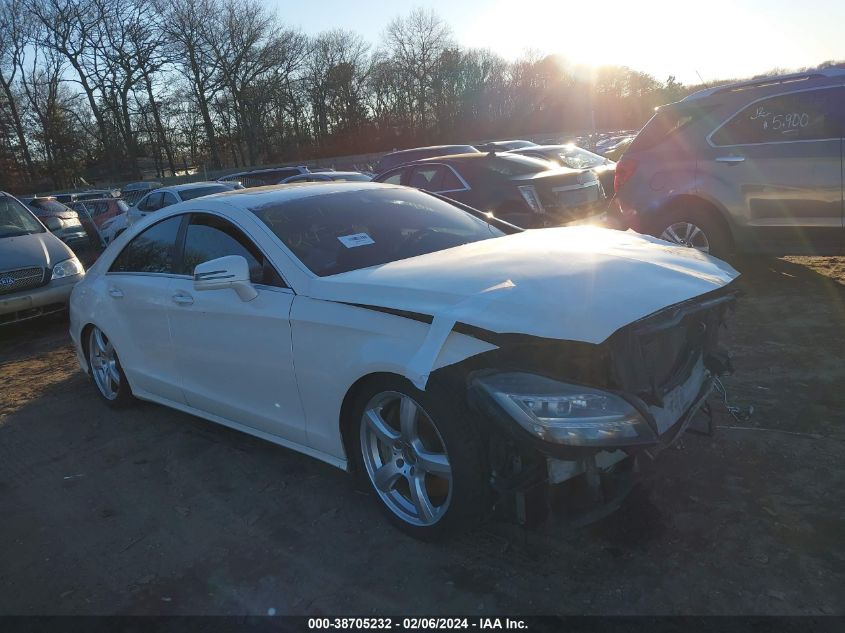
(190,194)
(800,116)
(152,202)
(209,237)
(169,199)
(665,123)
(427,178)
(434,178)
(150,251)
(50,206)
(449,181)
(346,231)
(15,219)
(393,178)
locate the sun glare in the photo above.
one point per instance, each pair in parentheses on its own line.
(661,38)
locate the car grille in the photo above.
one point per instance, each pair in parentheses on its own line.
(20,279)
(656,354)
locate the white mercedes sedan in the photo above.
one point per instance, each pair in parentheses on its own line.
(457,363)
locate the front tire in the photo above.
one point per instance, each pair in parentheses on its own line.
(105,370)
(422,456)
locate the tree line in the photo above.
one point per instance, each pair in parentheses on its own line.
(111,90)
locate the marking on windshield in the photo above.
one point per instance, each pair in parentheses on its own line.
(358,239)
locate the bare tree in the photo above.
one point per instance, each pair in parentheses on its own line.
(13,41)
(416,43)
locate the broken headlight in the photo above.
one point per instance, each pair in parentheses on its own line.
(567,414)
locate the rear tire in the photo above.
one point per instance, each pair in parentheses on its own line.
(695,228)
(421,455)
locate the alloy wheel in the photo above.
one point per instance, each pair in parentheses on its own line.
(405,458)
(686,234)
(104,367)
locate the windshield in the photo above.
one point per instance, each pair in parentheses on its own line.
(338,232)
(51,206)
(190,194)
(576,158)
(15,219)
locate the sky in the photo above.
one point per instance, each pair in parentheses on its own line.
(711,38)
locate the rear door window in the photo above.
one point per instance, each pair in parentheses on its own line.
(800,116)
(150,251)
(392,178)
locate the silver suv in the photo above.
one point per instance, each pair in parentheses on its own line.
(753,166)
(37,270)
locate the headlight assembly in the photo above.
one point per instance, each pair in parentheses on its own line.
(67,268)
(566,414)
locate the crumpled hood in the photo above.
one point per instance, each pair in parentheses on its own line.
(579,283)
(39,249)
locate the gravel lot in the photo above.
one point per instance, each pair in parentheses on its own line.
(154,511)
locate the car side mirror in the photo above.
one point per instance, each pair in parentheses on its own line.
(231,271)
(53,223)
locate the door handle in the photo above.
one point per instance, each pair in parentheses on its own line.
(731,160)
(182,299)
(117,293)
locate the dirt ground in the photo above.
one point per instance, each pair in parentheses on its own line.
(154,511)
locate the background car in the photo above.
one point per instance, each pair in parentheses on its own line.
(524,191)
(503,146)
(90,194)
(62,221)
(100,209)
(748,167)
(394,159)
(615,151)
(329,176)
(37,270)
(263,177)
(390,332)
(575,157)
(159,199)
(133,191)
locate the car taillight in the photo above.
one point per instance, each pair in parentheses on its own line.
(625,168)
(529,194)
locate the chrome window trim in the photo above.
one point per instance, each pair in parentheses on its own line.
(287,290)
(709,137)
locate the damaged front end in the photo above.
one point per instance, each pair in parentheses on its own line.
(571,416)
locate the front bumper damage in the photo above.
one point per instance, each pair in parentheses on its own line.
(535,477)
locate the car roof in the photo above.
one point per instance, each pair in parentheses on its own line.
(141,186)
(189,185)
(278,194)
(462,158)
(427,148)
(266,170)
(772,80)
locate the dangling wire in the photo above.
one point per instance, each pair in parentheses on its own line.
(740,414)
